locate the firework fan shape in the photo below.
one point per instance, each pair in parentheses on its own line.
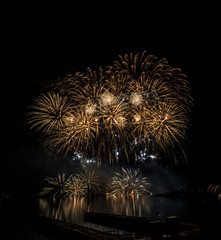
(49,112)
(90,180)
(57,187)
(129,182)
(76,188)
(101,113)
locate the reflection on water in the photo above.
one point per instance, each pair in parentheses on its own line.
(72,209)
(131,206)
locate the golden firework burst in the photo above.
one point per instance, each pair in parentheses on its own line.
(129,182)
(49,112)
(100,112)
(77,135)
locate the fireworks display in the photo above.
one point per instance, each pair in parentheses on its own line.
(73,186)
(76,188)
(57,186)
(89,179)
(50,112)
(128,183)
(79,185)
(102,114)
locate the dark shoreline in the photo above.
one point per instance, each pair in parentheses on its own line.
(18,214)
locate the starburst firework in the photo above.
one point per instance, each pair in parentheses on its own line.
(168,124)
(76,188)
(129,182)
(57,186)
(90,180)
(95,113)
(49,112)
(155,79)
(78,133)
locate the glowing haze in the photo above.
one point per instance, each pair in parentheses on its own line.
(140,102)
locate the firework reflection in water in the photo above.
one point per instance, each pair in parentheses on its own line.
(69,208)
(72,209)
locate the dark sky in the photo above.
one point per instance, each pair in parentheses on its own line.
(40,45)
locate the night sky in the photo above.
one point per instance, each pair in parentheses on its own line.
(43,44)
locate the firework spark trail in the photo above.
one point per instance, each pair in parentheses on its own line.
(77,135)
(151,75)
(129,182)
(57,186)
(168,122)
(83,88)
(99,112)
(49,112)
(89,179)
(76,188)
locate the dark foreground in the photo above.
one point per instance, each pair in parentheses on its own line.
(56,228)
(21,220)
(147,227)
(142,228)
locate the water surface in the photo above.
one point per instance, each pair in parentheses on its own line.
(72,209)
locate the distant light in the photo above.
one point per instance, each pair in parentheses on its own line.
(77,156)
(135,141)
(152,156)
(90,108)
(166,117)
(91,161)
(136,98)
(137,117)
(107,98)
(70,119)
